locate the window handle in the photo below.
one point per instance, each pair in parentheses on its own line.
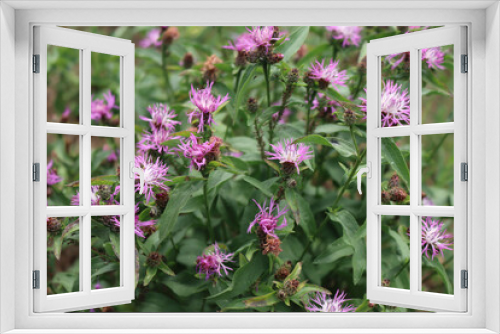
(368,171)
(136,170)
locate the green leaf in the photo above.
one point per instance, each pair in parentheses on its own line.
(242,86)
(257,184)
(57,247)
(58,241)
(243,278)
(290,47)
(359,260)
(150,274)
(335,95)
(314,54)
(234,162)
(185,285)
(166,269)
(301,211)
(313,139)
(102,268)
(181,179)
(344,147)
(336,250)
(348,223)
(255,302)
(217,177)
(114,238)
(103,180)
(400,242)
(331,128)
(393,155)
(307,289)
(436,265)
(295,272)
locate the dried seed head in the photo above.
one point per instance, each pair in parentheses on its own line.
(252,105)
(271,245)
(398,194)
(282,273)
(53,225)
(148,230)
(209,70)
(291,287)
(154,259)
(349,117)
(394,181)
(293,75)
(386,198)
(188,60)
(281,294)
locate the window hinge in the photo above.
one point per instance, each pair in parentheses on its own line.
(464,171)
(465,279)
(36,172)
(36,279)
(465,64)
(36,63)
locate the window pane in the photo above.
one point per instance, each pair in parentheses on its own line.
(105,234)
(395,90)
(105,90)
(437,255)
(63,255)
(63,169)
(105,166)
(437,84)
(395,173)
(437,169)
(63,84)
(395,252)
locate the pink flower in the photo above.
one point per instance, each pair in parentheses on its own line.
(206,104)
(289,153)
(434,57)
(212,262)
(161,118)
(434,237)
(351,35)
(255,38)
(152,39)
(52,177)
(321,302)
(196,152)
(137,223)
(328,74)
(325,106)
(101,109)
(284,117)
(267,219)
(154,175)
(155,141)
(394,105)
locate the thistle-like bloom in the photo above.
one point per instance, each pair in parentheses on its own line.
(256,38)
(154,175)
(206,104)
(434,237)
(328,74)
(351,35)
(267,219)
(394,104)
(137,223)
(161,118)
(212,262)
(155,141)
(321,302)
(198,153)
(434,57)
(152,39)
(102,109)
(289,154)
(52,177)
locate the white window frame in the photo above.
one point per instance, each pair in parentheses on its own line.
(484,103)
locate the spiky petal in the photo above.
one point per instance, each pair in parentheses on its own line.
(351,35)
(434,238)
(434,57)
(321,302)
(267,219)
(161,118)
(137,223)
(255,38)
(155,173)
(290,153)
(213,262)
(52,177)
(206,104)
(328,74)
(197,152)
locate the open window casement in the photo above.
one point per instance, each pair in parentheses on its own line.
(75,220)
(388,127)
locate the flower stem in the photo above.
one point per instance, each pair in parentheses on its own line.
(309,109)
(164,56)
(207,209)
(265,68)
(260,140)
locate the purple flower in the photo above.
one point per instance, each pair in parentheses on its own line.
(434,237)
(212,262)
(284,117)
(196,152)
(152,38)
(161,118)
(351,35)
(321,302)
(290,154)
(206,104)
(267,219)
(325,106)
(154,175)
(255,38)
(101,109)
(427,201)
(155,141)
(52,177)
(137,223)
(395,62)
(395,105)
(328,74)
(434,57)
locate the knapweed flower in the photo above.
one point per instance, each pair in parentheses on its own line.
(327,74)
(289,154)
(256,38)
(394,105)
(155,141)
(268,217)
(102,109)
(137,223)
(152,39)
(52,177)
(434,237)
(154,175)
(161,118)
(397,58)
(351,35)
(212,262)
(200,154)
(321,302)
(206,104)
(434,57)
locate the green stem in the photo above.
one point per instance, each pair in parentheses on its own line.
(207,209)
(359,84)
(401,269)
(353,137)
(265,68)
(436,148)
(237,83)
(260,140)
(164,70)
(309,109)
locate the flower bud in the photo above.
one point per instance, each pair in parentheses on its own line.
(349,117)
(282,273)
(104,192)
(291,287)
(252,105)
(162,200)
(291,183)
(276,34)
(386,198)
(154,259)
(275,58)
(170,34)
(398,194)
(394,181)
(53,225)
(386,282)
(293,75)
(271,245)
(281,294)
(288,168)
(241,58)
(188,60)
(252,57)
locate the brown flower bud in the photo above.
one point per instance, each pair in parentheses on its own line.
(398,194)
(170,35)
(252,105)
(154,259)
(162,200)
(275,58)
(386,198)
(271,245)
(323,84)
(386,282)
(349,117)
(291,183)
(209,70)
(241,58)
(281,294)
(53,225)
(293,75)
(394,181)
(282,273)
(104,192)
(291,287)
(188,60)
(276,34)
(253,57)
(288,168)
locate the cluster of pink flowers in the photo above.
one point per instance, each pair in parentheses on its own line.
(256,38)
(351,35)
(206,104)
(137,223)
(328,74)
(321,302)
(212,262)
(267,219)
(434,237)
(102,109)
(155,173)
(434,57)
(52,177)
(197,152)
(162,124)
(288,153)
